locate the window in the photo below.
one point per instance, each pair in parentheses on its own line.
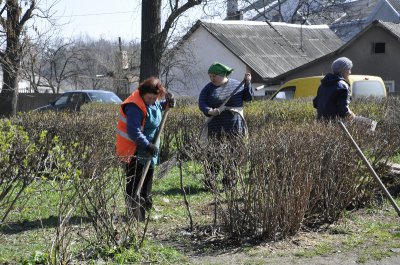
(285,93)
(379,47)
(366,88)
(76,98)
(389,84)
(62,100)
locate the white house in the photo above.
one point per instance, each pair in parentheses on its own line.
(266,50)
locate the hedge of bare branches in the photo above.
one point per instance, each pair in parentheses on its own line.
(290,172)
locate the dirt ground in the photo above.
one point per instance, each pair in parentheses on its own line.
(338,258)
(364,237)
(291,252)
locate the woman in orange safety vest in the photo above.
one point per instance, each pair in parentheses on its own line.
(139,118)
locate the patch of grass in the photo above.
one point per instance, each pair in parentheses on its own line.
(320,249)
(372,230)
(255,251)
(152,253)
(168,197)
(374,254)
(353,241)
(21,246)
(396,159)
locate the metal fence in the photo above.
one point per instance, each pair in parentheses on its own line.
(30,101)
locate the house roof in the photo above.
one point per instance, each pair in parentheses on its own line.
(355,10)
(271,49)
(328,12)
(395,4)
(390,27)
(393,28)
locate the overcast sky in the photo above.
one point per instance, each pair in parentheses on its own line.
(99,18)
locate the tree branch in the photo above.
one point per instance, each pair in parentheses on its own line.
(174,14)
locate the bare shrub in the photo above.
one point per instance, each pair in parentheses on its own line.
(290,172)
(293,171)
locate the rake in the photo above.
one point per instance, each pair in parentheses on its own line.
(137,213)
(371,170)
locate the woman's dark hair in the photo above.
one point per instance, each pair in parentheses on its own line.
(152,85)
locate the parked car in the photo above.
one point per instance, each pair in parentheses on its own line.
(73,100)
(360,86)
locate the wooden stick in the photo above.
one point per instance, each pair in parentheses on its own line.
(371,170)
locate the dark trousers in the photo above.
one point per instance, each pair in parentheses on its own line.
(133,174)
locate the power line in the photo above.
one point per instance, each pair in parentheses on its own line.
(98,14)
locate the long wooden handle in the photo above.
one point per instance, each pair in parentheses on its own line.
(371,170)
(148,162)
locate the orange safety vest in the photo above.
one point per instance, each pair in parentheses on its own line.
(126,147)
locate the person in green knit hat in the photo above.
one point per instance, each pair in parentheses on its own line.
(227,121)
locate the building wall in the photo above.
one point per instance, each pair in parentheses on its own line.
(366,62)
(196,55)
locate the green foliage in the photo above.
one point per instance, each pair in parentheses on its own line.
(37,258)
(154,253)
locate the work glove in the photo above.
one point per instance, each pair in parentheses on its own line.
(152,149)
(169,97)
(213,112)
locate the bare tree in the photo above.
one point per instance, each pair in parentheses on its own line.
(51,63)
(14,18)
(298,11)
(154,39)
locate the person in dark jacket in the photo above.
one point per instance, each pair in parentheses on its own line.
(230,119)
(223,121)
(333,96)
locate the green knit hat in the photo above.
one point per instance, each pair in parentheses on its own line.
(220,69)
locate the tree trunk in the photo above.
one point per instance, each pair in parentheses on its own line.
(12,25)
(151,46)
(9,92)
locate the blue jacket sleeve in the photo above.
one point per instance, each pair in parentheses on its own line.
(343,101)
(134,117)
(248,94)
(203,100)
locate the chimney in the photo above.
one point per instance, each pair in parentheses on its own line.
(232,10)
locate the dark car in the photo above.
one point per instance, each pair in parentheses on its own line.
(73,100)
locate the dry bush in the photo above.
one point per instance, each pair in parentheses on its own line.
(88,177)
(293,171)
(290,172)
(286,176)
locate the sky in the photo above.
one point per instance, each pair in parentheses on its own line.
(99,18)
(107,19)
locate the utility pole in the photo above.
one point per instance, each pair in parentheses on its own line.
(122,65)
